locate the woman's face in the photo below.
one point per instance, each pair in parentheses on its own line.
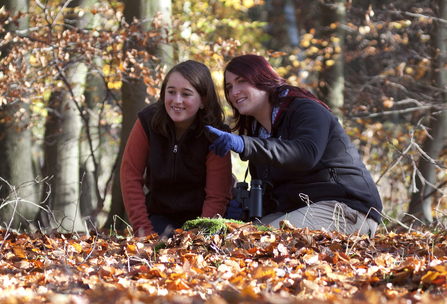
(182,101)
(247,99)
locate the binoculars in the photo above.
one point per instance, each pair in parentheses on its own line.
(250,200)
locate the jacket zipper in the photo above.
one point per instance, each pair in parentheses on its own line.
(333,174)
(173,170)
(174,165)
(334,177)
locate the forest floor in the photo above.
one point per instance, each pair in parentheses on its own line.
(240,265)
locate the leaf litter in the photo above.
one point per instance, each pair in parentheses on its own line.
(239,264)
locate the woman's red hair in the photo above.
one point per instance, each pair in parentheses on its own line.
(258,72)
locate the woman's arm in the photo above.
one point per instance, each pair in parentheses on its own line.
(218,184)
(133,166)
(308,125)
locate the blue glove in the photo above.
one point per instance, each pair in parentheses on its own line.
(225,142)
(234,211)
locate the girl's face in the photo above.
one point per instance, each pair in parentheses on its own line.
(247,99)
(182,101)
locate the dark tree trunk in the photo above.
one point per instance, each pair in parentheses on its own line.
(421,200)
(134,97)
(331,77)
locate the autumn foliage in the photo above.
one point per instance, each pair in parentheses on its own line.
(387,96)
(242,265)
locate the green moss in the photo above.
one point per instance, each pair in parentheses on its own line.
(265,228)
(209,226)
(216,226)
(159,246)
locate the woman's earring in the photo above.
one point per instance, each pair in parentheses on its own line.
(201,107)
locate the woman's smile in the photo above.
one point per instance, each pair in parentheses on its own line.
(247,99)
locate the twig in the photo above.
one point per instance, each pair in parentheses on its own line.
(392,219)
(63,9)
(411,215)
(91,251)
(129,227)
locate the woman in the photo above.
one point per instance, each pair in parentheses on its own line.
(167,151)
(294,143)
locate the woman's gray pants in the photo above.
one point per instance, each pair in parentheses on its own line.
(330,215)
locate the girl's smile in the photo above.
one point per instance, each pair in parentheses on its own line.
(182,101)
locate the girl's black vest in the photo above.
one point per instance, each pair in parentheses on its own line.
(177,171)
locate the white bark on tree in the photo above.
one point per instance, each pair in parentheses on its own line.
(62,144)
(95,96)
(18,192)
(65,194)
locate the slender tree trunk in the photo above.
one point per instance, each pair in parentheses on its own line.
(292,26)
(50,148)
(277,26)
(421,203)
(331,78)
(66,202)
(16,166)
(62,153)
(95,96)
(134,96)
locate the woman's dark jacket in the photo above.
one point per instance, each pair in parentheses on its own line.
(310,153)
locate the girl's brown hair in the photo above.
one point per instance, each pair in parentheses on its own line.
(199,76)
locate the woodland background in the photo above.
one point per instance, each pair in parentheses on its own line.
(73,75)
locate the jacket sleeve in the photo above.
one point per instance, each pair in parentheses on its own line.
(132,171)
(308,128)
(219,182)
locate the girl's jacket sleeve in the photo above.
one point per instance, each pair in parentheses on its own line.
(218,184)
(132,171)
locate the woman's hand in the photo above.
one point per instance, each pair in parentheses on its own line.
(225,142)
(233,211)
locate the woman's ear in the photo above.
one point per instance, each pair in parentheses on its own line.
(202,103)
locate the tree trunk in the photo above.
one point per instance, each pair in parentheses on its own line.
(50,148)
(62,153)
(277,26)
(421,200)
(95,96)
(292,26)
(331,77)
(62,142)
(134,97)
(16,166)
(66,202)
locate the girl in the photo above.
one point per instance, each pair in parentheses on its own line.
(297,146)
(167,151)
